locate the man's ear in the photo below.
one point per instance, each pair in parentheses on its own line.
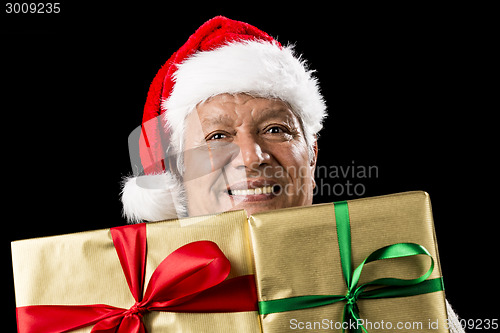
(315,149)
(312,163)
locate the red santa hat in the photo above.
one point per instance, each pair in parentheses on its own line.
(222,56)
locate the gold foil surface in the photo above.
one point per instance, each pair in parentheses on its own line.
(296,253)
(83,268)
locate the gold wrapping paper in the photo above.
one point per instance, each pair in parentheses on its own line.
(83,268)
(296,253)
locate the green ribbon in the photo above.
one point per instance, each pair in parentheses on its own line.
(391,287)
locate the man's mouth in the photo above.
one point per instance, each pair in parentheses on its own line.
(253,190)
(268,189)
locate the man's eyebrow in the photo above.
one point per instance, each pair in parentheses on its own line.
(275,111)
(216,119)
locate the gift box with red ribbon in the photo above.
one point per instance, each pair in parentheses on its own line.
(191,275)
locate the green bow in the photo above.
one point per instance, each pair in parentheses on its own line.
(391,287)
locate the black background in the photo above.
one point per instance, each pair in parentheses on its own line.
(411,90)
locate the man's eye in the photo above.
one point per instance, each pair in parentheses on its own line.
(217,136)
(275,130)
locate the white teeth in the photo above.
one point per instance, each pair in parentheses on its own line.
(252,191)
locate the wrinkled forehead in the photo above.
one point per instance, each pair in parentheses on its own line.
(233,110)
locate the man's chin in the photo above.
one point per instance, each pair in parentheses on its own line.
(251,204)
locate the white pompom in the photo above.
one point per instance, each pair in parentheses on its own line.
(153,198)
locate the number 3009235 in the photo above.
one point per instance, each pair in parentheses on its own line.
(33,8)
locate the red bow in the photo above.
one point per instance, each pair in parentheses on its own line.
(190,279)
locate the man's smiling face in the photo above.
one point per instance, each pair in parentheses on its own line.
(244,152)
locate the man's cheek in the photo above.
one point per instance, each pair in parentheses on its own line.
(206,194)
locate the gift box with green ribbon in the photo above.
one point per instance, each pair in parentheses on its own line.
(362,265)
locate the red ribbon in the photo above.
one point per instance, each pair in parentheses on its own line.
(190,279)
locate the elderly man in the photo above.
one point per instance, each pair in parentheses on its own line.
(230,122)
(240,114)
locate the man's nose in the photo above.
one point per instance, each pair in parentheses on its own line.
(252,153)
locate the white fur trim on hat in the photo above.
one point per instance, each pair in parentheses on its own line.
(153,198)
(258,68)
